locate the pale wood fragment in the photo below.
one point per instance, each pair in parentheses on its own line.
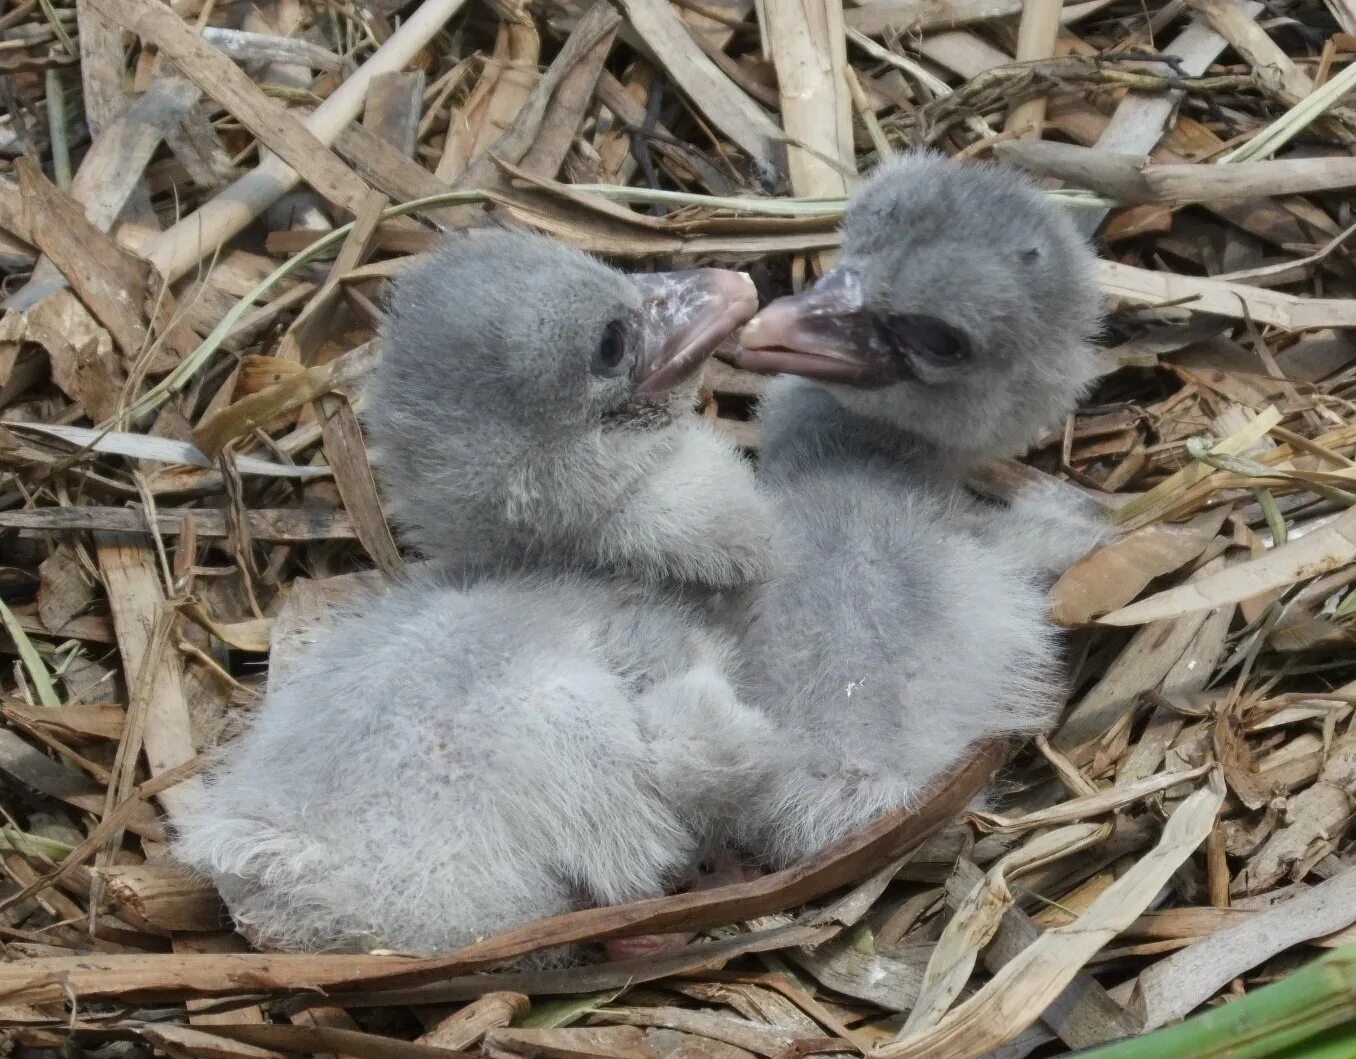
(218,77)
(809,50)
(1036,36)
(281,525)
(466,1027)
(136,598)
(178,249)
(160,897)
(720,99)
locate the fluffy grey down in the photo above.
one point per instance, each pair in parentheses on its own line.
(447,764)
(909,620)
(466,754)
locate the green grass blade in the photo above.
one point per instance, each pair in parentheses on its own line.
(1282,1020)
(556,1014)
(1337,1043)
(28,654)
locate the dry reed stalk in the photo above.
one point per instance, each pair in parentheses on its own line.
(156,574)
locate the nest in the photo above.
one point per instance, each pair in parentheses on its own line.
(199,207)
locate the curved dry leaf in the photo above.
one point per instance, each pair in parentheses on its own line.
(1015,997)
(1152,654)
(162,450)
(1112,576)
(1179,481)
(251,635)
(263,407)
(1091,805)
(864,851)
(1320,552)
(978,917)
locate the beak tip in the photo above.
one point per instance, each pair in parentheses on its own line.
(742,294)
(696,311)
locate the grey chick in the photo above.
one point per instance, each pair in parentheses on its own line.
(580,469)
(448,762)
(909,620)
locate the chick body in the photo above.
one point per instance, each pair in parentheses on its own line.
(908,620)
(448,763)
(520,732)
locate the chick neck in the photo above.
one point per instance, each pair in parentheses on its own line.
(806,426)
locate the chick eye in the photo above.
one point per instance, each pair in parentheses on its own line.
(930,338)
(611,349)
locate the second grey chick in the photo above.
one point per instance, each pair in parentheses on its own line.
(558,475)
(909,621)
(448,762)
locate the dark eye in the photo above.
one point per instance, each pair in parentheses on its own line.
(611,349)
(929,338)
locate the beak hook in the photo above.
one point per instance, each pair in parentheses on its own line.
(685,316)
(825,333)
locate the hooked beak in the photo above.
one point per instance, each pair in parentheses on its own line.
(825,333)
(685,316)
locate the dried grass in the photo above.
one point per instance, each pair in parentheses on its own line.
(184,484)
